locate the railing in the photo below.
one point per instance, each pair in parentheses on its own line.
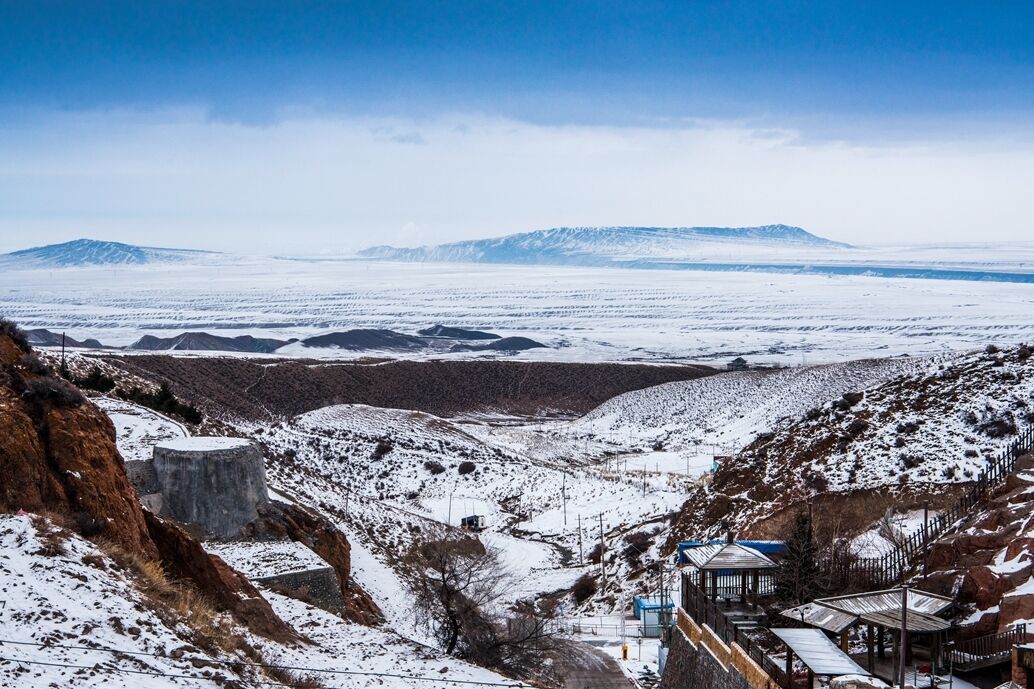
(985,650)
(891,568)
(705,611)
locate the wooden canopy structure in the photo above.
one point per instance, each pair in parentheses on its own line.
(732,562)
(884,611)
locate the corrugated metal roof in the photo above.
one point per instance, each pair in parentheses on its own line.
(915,621)
(819,653)
(840,612)
(889,599)
(818,615)
(727,556)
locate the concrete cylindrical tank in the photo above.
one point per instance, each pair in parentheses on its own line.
(216,483)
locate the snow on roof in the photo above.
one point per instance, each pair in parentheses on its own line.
(257,559)
(727,556)
(879,607)
(201,443)
(816,651)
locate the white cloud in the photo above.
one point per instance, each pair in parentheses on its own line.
(308,184)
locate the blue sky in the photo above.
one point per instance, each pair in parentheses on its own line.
(875,90)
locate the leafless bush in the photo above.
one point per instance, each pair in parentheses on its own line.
(11,330)
(584,588)
(58,392)
(466,468)
(33,364)
(434,467)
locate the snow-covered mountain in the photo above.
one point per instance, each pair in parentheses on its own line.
(601,245)
(93,252)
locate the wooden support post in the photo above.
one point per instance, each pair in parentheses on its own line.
(870,647)
(789,667)
(743,585)
(844,639)
(756,585)
(880,640)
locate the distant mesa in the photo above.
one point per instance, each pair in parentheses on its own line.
(204,342)
(46,338)
(367,339)
(446,332)
(93,252)
(504,344)
(595,246)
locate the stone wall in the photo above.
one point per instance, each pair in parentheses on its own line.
(695,667)
(318,586)
(698,659)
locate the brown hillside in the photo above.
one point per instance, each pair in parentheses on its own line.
(254,388)
(59,456)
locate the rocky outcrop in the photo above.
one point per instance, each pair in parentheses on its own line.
(286,521)
(58,455)
(183,557)
(989,561)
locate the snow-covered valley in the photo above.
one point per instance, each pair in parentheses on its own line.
(582,314)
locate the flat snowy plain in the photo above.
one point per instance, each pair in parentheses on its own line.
(595,314)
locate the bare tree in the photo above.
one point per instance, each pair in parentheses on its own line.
(459,588)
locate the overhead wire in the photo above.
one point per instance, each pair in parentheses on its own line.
(243,663)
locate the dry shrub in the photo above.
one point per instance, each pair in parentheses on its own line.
(58,392)
(584,588)
(181,602)
(16,334)
(53,538)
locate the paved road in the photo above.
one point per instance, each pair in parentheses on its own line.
(590,668)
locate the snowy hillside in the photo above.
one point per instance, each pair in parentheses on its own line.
(728,410)
(92,252)
(62,593)
(599,245)
(939,424)
(388,476)
(916,435)
(66,602)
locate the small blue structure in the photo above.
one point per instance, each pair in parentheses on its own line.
(648,611)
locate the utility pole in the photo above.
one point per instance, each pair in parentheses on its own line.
(603,554)
(563,494)
(581,559)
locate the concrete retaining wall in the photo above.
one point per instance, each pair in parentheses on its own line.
(321,586)
(216,486)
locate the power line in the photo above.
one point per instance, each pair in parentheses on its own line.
(265,666)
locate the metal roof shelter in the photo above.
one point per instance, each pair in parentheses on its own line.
(839,613)
(818,653)
(918,622)
(881,612)
(731,556)
(730,569)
